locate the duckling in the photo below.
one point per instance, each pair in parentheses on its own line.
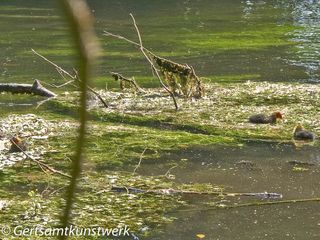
(264,119)
(17,145)
(300,133)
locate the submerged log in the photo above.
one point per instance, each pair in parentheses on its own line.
(36,88)
(170,191)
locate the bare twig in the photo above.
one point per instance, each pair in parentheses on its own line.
(152,65)
(63,84)
(98,96)
(49,192)
(140,160)
(180,70)
(254,204)
(91,89)
(168,172)
(107,33)
(42,102)
(171,191)
(42,165)
(59,69)
(74,78)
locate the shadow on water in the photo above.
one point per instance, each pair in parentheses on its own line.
(19,103)
(257,167)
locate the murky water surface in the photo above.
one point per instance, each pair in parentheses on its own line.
(255,168)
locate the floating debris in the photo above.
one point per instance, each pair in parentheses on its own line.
(299,169)
(300,163)
(170,191)
(245,163)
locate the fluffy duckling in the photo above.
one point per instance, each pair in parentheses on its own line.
(264,119)
(17,145)
(300,133)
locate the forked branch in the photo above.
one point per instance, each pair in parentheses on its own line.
(73,78)
(152,65)
(180,79)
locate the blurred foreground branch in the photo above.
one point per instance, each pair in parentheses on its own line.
(81,24)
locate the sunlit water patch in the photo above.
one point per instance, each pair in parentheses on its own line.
(219,38)
(306,16)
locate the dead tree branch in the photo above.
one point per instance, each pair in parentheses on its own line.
(36,88)
(107,33)
(41,165)
(170,191)
(152,65)
(140,160)
(74,78)
(254,204)
(181,78)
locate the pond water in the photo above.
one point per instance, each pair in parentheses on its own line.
(271,169)
(228,40)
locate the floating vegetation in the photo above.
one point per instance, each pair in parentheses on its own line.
(133,124)
(181,79)
(39,203)
(299,169)
(34,130)
(97,205)
(223,112)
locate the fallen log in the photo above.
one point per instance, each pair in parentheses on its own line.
(36,88)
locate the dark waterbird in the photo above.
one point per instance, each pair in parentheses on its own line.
(264,119)
(301,134)
(17,145)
